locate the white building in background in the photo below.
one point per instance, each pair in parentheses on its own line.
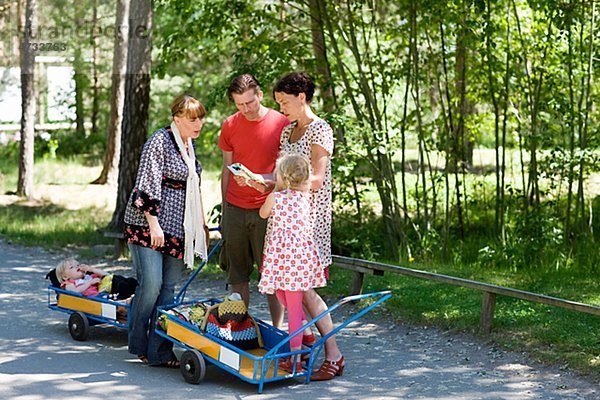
(10,95)
(56,95)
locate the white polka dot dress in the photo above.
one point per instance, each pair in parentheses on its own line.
(318,133)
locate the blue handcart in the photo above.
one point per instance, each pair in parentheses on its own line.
(256,366)
(86,311)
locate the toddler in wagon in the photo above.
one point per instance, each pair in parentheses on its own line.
(85,279)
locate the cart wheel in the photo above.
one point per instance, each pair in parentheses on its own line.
(79,326)
(193,366)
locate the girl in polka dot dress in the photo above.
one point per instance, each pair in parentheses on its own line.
(291,262)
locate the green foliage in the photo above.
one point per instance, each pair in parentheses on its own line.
(533,240)
(362,238)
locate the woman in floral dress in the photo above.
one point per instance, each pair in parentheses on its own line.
(312,137)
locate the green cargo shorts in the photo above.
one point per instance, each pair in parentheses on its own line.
(243,232)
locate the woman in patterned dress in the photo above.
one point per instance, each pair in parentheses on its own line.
(291,263)
(163,231)
(312,137)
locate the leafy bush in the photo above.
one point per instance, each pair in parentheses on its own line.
(533,240)
(354,238)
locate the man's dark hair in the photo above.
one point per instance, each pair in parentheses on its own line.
(296,83)
(241,84)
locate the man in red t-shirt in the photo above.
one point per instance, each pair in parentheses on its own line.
(250,137)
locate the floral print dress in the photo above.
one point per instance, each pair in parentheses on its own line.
(318,133)
(291,260)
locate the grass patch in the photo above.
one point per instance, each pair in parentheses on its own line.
(549,334)
(52,226)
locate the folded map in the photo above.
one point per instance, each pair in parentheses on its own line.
(241,170)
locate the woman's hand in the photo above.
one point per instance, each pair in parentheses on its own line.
(261,187)
(206,234)
(256,185)
(157,237)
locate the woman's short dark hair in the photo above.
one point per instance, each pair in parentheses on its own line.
(296,83)
(241,84)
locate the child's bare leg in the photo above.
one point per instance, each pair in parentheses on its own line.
(276,310)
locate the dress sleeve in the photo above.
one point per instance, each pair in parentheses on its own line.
(321,133)
(148,188)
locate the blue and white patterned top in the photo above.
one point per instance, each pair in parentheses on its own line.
(160,191)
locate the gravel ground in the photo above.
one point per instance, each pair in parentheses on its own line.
(385,360)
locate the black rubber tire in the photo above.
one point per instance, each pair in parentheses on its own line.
(193,366)
(79,326)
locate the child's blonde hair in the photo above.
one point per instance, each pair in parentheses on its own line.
(62,266)
(294,170)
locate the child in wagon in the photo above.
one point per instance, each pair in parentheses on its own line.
(85,279)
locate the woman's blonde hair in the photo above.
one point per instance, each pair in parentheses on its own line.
(62,266)
(294,170)
(187,106)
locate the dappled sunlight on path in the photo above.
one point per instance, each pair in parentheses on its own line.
(385,360)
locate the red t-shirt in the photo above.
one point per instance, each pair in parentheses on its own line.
(254,144)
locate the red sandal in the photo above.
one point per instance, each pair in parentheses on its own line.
(309,340)
(329,370)
(288,366)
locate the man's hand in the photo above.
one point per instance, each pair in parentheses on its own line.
(240,180)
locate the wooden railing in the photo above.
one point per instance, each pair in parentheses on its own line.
(362,267)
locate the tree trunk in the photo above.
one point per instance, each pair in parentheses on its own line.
(320,52)
(137,98)
(25,182)
(325,81)
(464,151)
(586,226)
(425,224)
(507,74)
(496,107)
(79,77)
(451,138)
(368,115)
(572,113)
(95,61)
(110,169)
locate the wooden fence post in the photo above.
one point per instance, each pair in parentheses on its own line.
(488,304)
(357,282)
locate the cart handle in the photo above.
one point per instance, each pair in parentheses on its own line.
(181,295)
(380,296)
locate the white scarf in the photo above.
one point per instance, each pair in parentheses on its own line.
(193,221)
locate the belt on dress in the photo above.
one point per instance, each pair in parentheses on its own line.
(173,183)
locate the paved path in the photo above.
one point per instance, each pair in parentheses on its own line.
(39,360)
